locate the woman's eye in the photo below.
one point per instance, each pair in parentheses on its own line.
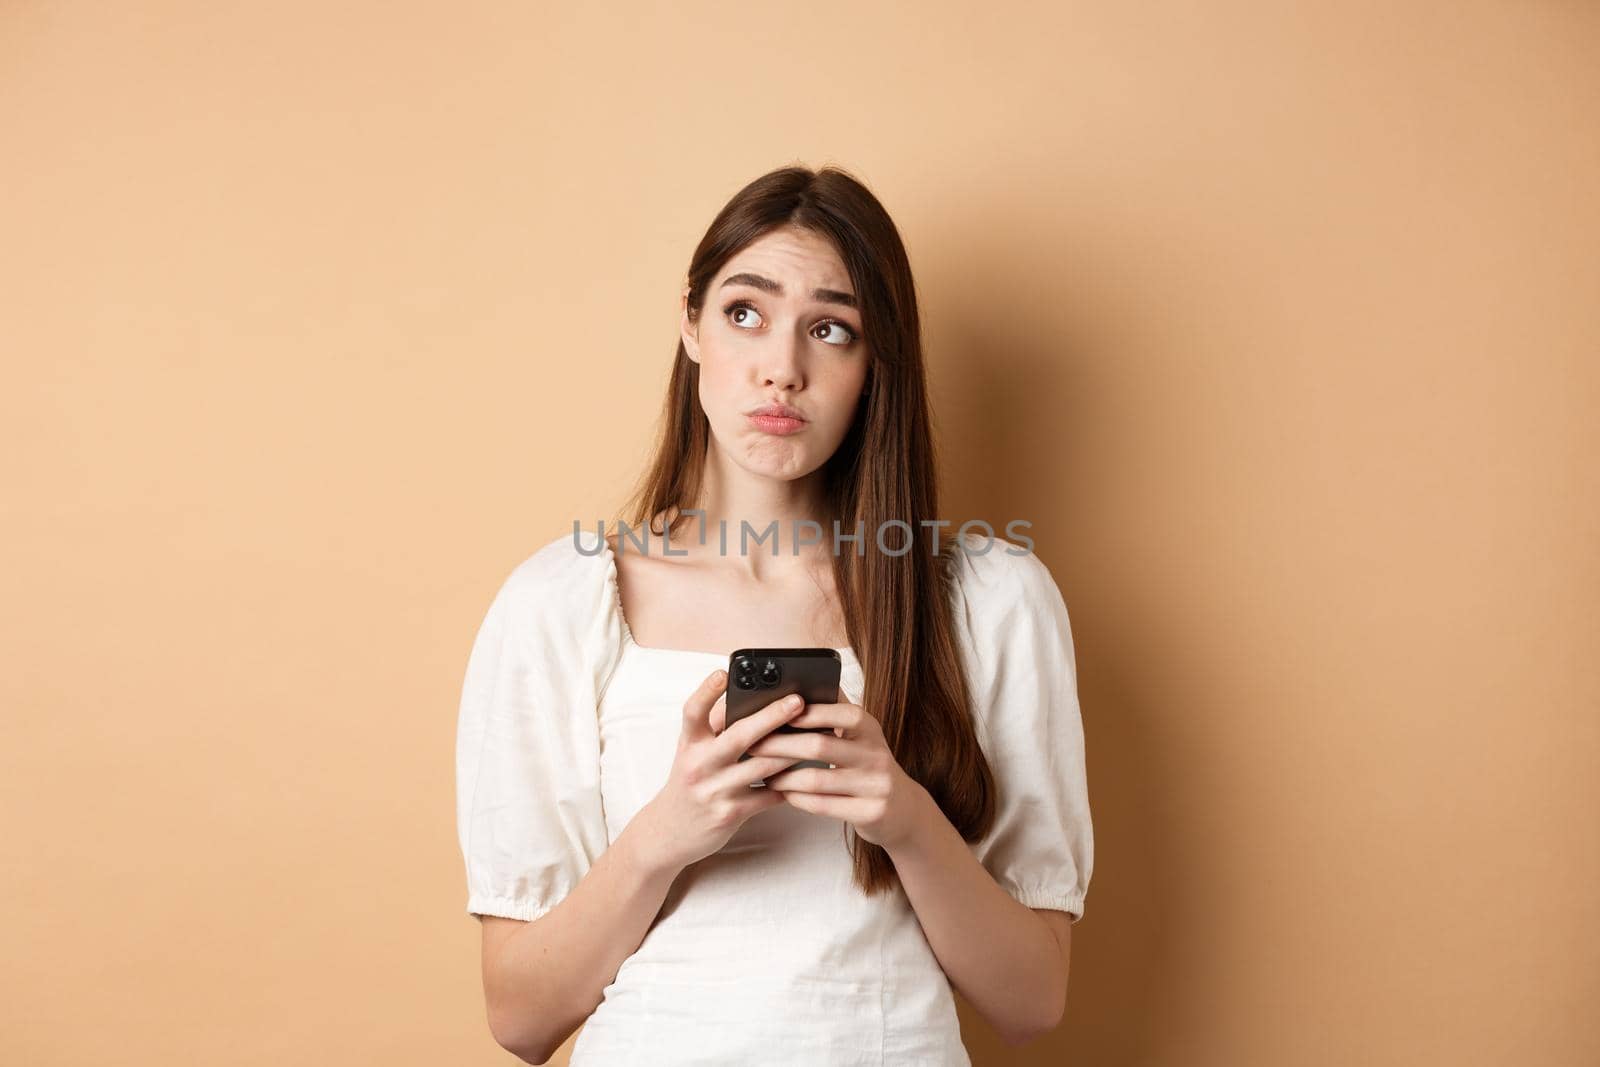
(846,334)
(740,306)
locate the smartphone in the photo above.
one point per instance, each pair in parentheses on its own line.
(759,676)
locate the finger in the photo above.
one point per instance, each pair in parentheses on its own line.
(745,773)
(823,746)
(697,709)
(845,809)
(736,739)
(759,800)
(832,781)
(847,720)
(719,713)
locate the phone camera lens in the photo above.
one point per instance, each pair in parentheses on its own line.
(744,673)
(769,673)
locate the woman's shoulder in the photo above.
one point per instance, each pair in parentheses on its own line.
(566,578)
(996,573)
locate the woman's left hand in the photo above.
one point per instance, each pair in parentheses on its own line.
(866,785)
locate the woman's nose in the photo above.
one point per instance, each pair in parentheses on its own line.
(781,366)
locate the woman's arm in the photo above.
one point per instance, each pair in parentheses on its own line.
(542,979)
(1006,960)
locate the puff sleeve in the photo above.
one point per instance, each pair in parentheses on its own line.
(528,805)
(1023,672)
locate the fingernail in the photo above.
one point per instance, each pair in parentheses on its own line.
(795,701)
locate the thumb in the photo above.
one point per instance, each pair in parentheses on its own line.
(697,709)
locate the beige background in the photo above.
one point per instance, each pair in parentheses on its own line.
(1278,320)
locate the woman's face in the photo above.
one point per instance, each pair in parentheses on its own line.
(777,327)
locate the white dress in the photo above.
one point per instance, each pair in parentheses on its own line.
(764,952)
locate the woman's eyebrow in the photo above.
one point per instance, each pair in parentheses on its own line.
(827,296)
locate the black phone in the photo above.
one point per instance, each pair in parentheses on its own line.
(759,676)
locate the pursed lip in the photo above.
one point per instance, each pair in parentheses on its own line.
(783,411)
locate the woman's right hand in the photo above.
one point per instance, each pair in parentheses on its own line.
(709,793)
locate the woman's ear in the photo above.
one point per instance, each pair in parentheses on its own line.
(688,330)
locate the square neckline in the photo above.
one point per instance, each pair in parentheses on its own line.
(847,656)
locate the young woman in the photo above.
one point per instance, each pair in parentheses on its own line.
(630,875)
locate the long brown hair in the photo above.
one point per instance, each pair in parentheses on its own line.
(897,609)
